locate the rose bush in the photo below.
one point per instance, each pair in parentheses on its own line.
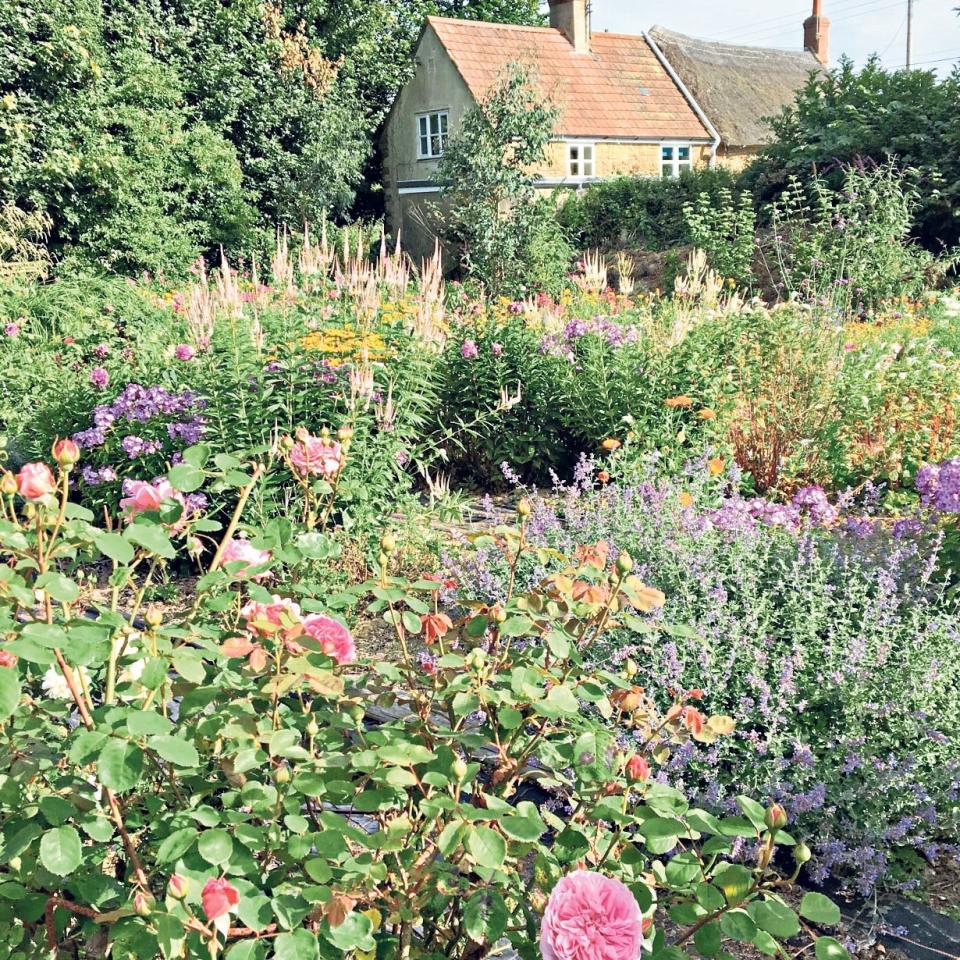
(233,777)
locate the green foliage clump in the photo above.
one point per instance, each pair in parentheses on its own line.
(509,238)
(846,115)
(725,229)
(640,211)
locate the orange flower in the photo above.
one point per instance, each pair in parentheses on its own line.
(686,500)
(682,401)
(435,625)
(590,592)
(603,476)
(637,768)
(707,414)
(716,466)
(594,555)
(611,444)
(693,720)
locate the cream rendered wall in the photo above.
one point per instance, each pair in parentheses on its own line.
(615,158)
(435,85)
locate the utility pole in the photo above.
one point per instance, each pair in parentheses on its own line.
(909,34)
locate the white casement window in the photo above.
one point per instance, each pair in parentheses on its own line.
(675,158)
(580,158)
(432,134)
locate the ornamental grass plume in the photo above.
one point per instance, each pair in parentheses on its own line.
(590,916)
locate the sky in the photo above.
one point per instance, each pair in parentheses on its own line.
(860,27)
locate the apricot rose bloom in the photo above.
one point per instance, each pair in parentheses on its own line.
(144,497)
(334,638)
(313,456)
(590,916)
(35,481)
(240,551)
(219,897)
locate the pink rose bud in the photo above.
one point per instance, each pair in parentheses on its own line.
(776,818)
(218,897)
(35,481)
(7,659)
(637,768)
(66,453)
(142,904)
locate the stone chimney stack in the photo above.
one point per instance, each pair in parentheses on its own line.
(572,19)
(816,33)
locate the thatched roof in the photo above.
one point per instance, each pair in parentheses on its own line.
(736,87)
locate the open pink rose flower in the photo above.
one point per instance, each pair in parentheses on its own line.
(240,551)
(35,481)
(218,897)
(591,917)
(144,497)
(315,456)
(334,638)
(282,615)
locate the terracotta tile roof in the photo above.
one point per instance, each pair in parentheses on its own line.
(619,89)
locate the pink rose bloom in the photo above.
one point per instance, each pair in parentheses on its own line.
(219,897)
(184,352)
(591,917)
(267,619)
(314,455)
(35,481)
(334,638)
(143,497)
(240,551)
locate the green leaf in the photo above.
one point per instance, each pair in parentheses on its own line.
(516,627)
(143,723)
(215,846)
(60,850)
(738,925)
(112,545)
(120,765)
(707,939)
(709,897)
(175,750)
(298,945)
(9,691)
(486,847)
(777,918)
(485,917)
(61,588)
(829,949)
(186,478)
(525,829)
(753,811)
(176,845)
(820,909)
(355,933)
(151,537)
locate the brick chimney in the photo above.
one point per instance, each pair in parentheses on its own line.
(816,33)
(572,19)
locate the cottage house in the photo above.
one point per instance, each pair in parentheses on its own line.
(622,106)
(738,87)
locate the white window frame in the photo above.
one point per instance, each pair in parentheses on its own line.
(674,161)
(586,167)
(425,133)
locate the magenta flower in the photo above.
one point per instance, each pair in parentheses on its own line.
(469,350)
(496,349)
(12,329)
(184,352)
(590,916)
(99,378)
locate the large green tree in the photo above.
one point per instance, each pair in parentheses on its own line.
(848,116)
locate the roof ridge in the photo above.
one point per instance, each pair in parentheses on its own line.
(530,28)
(744,47)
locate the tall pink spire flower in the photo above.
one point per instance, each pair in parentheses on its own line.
(591,917)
